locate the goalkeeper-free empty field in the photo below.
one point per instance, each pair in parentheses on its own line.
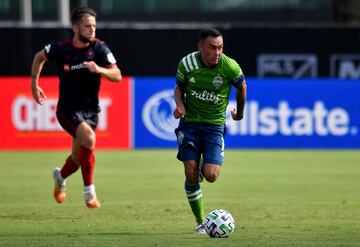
(278,198)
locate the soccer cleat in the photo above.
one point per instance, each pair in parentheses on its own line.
(60,186)
(200,171)
(200,229)
(91,200)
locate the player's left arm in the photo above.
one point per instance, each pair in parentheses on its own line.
(238,113)
(239,83)
(179,95)
(112,73)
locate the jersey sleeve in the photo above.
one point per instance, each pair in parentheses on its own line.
(105,57)
(236,76)
(52,51)
(181,80)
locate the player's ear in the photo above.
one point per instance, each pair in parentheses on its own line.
(75,28)
(199,46)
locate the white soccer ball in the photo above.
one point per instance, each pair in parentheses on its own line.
(219,223)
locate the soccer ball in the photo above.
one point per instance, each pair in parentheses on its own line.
(219,223)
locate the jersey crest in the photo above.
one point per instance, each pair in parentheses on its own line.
(90,54)
(218,81)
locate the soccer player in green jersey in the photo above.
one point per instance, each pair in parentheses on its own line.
(203,83)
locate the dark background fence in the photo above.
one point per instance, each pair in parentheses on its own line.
(157,52)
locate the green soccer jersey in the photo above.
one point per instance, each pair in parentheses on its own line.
(207,90)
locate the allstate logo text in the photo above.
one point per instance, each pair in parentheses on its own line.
(289,121)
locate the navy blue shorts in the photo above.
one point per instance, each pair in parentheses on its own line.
(71,119)
(195,140)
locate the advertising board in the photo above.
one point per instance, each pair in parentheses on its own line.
(279,113)
(28,125)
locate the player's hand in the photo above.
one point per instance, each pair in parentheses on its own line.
(179,112)
(236,115)
(38,94)
(92,67)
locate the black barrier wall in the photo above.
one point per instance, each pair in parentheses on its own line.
(262,52)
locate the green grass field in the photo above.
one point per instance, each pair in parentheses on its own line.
(278,198)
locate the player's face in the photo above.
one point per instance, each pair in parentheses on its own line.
(211,49)
(86,29)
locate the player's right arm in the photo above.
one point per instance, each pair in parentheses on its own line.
(179,92)
(179,95)
(37,65)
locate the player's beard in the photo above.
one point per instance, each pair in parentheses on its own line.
(84,39)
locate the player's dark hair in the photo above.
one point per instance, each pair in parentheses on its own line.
(209,32)
(79,12)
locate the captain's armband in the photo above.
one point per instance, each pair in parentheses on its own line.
(238,81)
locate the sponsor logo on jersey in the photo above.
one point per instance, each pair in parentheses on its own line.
(157,115)
(66,68)
(206,96)
(78,66)
(218,81)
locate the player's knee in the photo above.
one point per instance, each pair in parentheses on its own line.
(91,144)
(86,136)
(89,141)
(211,175)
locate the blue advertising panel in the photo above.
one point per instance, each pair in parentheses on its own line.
(279,113)
(153,105)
